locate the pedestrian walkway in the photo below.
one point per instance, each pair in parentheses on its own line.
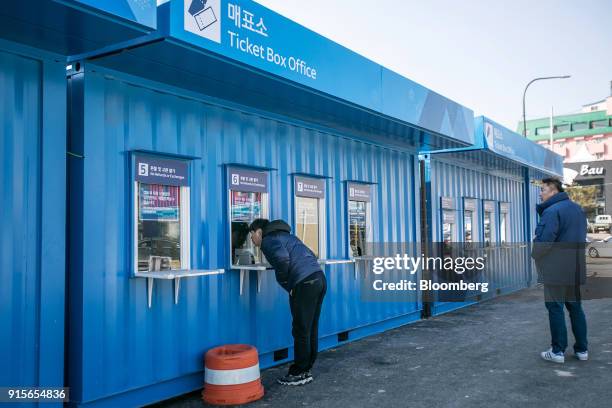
(486,355)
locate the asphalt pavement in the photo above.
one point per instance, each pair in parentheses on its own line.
(486,355)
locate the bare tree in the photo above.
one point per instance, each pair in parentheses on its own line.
(585,196)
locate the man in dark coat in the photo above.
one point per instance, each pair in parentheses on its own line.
(559,253)
(298,272)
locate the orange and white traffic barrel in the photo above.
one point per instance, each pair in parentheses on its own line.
(231,375)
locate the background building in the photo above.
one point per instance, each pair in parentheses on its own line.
(578,137)
(584,140)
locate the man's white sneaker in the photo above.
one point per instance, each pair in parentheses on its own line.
(582,355)
(548,355)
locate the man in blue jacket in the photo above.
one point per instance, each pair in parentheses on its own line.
(559,253)
(298,272)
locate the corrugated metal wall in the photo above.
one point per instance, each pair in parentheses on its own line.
(32,175)
(506,266)
(20,81)
(119,344)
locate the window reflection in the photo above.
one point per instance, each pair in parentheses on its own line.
(503,227)
(307,223)
(357,215)
(448,228)
(159,227)
(468,219)
(448,231)
(245,207)
(488,216)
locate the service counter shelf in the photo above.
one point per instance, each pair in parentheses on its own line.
(324,262)
(175,275)
(262,268)
(244,269)
(335,261)
(362,260)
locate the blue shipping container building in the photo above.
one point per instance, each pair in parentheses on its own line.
(35,38)
(487,194)
(138,141)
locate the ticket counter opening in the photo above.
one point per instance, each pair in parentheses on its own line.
(504,228)
(470,234)
(449,220)
(248,200)
(488,223)
(309,200)
(161,214)
(359,219)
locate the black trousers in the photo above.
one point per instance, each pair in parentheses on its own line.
(305,302)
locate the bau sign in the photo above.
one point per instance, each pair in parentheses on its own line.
(586,170)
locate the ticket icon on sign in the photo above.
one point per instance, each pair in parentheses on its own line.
(204,16)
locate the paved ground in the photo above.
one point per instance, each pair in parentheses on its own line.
(482,356)
(599,267)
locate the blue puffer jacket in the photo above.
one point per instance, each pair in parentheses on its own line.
(559,244)
(291,259)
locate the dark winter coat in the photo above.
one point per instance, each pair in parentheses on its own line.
(559,244)
(291,259)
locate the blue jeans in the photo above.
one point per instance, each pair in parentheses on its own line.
(557,296)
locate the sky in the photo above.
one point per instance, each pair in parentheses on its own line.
(478,53)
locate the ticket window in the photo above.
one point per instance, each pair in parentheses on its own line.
(359,218)
(449,227)
(488,223)
(310,213)
(469,217)
(449,223)
(248,200)
(161,214)
(449,220)
(504,226)
(468,222)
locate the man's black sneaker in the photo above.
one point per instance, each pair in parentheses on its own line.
(299,379)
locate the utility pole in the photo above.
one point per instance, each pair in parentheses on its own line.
(551,127)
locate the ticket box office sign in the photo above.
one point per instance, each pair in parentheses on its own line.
(359,218)
(161,213)
(248,200)
(309,203)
